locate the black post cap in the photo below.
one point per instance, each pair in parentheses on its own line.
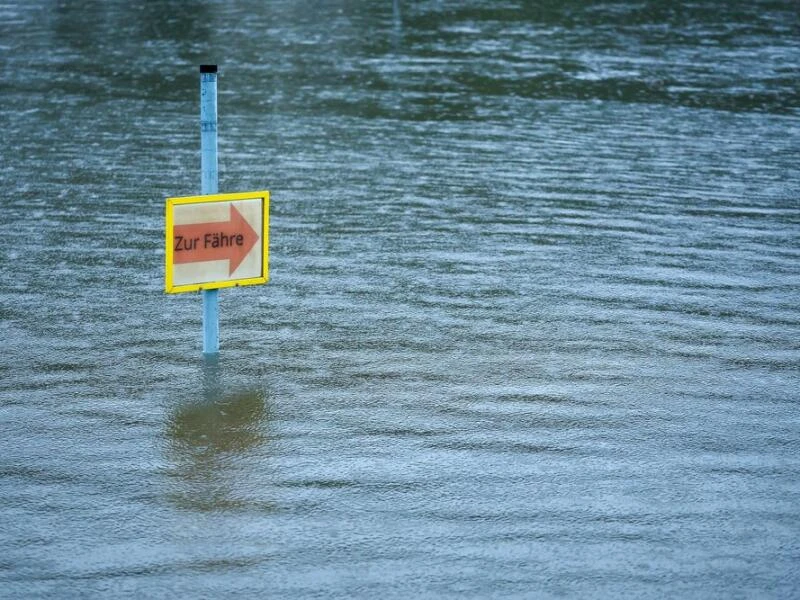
(208,68)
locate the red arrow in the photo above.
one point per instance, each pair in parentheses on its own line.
(229,240)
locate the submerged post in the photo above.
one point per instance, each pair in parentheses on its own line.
(209,184)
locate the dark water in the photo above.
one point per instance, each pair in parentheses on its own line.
(533,325)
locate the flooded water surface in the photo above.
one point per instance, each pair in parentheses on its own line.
(532,327)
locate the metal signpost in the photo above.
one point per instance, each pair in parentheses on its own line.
(209,184)
(215,240)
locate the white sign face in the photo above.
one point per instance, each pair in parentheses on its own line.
(217,240)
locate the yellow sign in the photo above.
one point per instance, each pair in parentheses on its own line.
(216,241)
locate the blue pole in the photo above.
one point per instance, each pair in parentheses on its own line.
(209,184)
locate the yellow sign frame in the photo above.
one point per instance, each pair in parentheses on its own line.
(169,286)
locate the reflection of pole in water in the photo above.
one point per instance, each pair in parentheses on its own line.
(397,23)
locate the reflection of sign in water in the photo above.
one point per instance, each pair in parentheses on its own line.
(217,240)
(228,424)
(204,439)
